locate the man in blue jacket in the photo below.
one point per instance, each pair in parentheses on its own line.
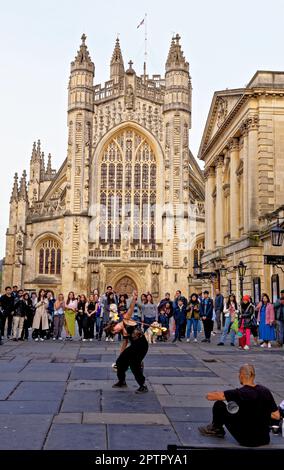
(179,316)
(206,315)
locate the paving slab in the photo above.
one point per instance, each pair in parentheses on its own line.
(79,401)
(169,372)
(68,418)
(183,401)
(41,391)
(29,407)
(99,385)
(89,373)
(130,402)
(189,414)
(159,389)
(23,432)
(125,418)
(76,437)
(6,388)
(187,380)
(192,390)
(143,437)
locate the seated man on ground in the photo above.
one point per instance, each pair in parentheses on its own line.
(251,414)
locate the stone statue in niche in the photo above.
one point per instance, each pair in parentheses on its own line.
(19,244)
(129,97)
(155,284)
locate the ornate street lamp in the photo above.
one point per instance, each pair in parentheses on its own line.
(196,268)
(277,235)
(242,271)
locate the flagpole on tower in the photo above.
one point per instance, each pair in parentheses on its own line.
(145,50)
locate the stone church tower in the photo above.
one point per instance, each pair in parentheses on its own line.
(126,207)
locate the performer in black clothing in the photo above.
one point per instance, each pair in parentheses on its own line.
(133,355)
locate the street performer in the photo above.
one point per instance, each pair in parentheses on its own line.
(133,355)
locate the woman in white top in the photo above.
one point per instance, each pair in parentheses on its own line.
(231,313)
(40,321)
(70,314)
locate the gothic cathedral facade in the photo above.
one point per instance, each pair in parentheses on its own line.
(126,207)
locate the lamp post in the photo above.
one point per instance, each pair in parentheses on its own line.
(196,268)
(189,278)
(277,234)
(242,271)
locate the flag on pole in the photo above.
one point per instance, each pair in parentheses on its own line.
(140,24)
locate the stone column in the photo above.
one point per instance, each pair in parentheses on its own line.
(206,208)
(209,209)
(244,133)
(219,216)
(252,150)
(234,189)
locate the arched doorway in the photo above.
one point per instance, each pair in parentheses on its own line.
(125,285)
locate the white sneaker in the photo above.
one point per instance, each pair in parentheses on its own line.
(54,339)
(84,340)
(188,340)
(269,345)
(195,340)
(36,339)
(60,339)
(112,340)
(246,347)
(91,339)
(41,339)
(106,339)
(263,345)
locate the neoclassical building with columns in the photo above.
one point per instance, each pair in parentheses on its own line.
(243,151)
(126,207)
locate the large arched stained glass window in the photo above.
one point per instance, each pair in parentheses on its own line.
(128,176)
(49,257)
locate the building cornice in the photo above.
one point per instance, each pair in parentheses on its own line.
(247,94)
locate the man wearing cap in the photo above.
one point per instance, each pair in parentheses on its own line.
(279,316)
(248,412)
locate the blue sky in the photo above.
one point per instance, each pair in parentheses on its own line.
(225,42)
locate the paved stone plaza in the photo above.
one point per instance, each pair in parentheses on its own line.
(60,396)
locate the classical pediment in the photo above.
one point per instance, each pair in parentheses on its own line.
(222,105)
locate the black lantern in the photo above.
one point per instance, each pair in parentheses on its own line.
(196,268)
(242,269)
(277,235)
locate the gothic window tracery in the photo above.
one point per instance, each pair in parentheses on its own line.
(49,257)
(198,252)
(128,189)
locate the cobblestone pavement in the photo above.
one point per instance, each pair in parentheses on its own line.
(59,395)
